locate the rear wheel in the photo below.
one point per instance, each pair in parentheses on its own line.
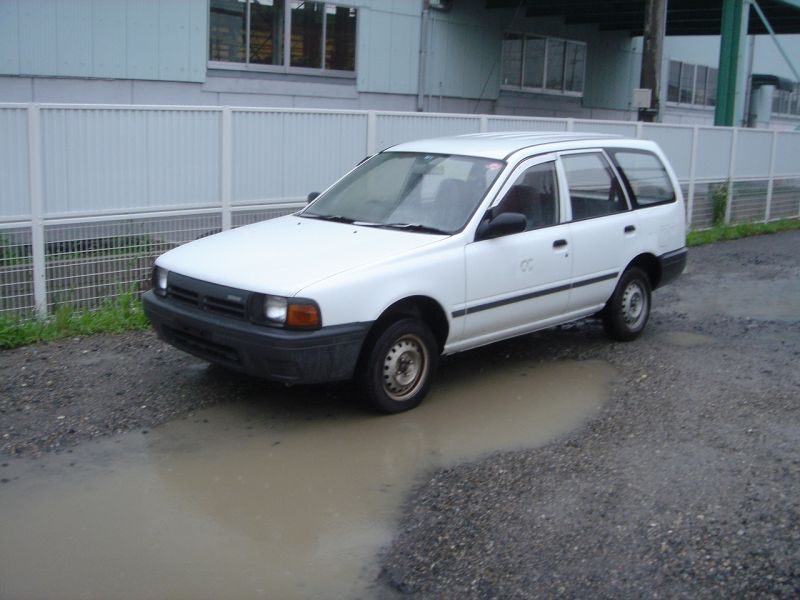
(398,368)
(626,313)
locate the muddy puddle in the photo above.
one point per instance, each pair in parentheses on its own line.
(234,503)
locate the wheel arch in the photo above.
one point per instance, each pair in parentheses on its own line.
(650,265)
(424,308)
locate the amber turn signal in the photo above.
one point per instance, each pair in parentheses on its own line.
(303,315)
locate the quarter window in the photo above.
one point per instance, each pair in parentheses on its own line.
(594,190)
(258,33)
(537,63)
(646,176)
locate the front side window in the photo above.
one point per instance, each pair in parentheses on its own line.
(256,33)
(534,195)
(536,63)
(646,176)
(594,190)
(436,193)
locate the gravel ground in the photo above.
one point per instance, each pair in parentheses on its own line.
(54,395)
(685,485)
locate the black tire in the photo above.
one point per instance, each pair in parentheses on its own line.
(397,369)
(626,313)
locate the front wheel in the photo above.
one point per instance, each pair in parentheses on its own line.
(626,313)
(398,368)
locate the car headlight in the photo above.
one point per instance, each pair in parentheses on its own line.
(160,280)
(292,313)
(275,309)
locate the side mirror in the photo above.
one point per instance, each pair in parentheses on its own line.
(311,197)
(501,225)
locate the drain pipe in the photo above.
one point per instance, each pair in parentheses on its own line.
(423,56)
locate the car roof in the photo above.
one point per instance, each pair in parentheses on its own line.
(498,145)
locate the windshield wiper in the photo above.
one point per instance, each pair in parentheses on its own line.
(416,227)
(334,218)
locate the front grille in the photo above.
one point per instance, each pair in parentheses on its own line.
(229,308)
(202,347)
(208,297)
(183,295)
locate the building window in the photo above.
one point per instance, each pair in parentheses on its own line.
(536,63)
(691,84)
(282,33)
(785,102)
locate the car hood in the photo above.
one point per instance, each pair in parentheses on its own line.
(284,255)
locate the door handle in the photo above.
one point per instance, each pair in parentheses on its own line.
(630,229)
(559,243)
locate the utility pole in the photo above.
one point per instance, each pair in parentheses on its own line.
(655,28)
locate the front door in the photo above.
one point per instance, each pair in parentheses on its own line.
(518,282)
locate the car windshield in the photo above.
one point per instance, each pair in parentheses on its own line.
(429,193)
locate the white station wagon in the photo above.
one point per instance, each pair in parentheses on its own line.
(429,248)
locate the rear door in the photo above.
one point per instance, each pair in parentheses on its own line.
(602,227)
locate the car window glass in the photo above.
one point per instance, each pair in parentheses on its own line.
(593,188)
(535,195)
(435,191)
(646,175)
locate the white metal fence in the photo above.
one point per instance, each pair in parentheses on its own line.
(89,195)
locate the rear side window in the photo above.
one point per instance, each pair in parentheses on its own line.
(645,175)
(594,190)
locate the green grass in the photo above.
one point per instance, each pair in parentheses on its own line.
(734,232)
(122,313)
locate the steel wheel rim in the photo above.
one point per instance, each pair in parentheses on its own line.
(634,305)
(405,368)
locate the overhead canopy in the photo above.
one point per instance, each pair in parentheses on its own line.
(684,17)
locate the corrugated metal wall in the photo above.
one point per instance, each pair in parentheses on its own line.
(14,192)
(117,160)
(121,39)
(281,156)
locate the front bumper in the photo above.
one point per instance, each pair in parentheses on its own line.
(322,355)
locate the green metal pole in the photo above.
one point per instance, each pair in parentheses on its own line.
(730,40)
